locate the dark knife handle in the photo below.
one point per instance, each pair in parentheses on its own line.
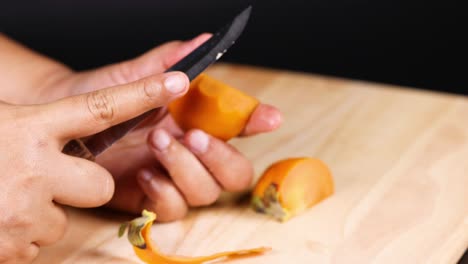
(90,147)
(77,148)
(193,64)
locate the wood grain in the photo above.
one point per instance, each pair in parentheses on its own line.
(399,159)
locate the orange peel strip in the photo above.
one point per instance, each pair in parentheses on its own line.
(139,235)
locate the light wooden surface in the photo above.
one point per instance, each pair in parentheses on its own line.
(400,163)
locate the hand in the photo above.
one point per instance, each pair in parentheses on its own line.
(175,170)
(158,167)
(37,177)
(167,181)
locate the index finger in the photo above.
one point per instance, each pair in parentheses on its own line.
(87,114)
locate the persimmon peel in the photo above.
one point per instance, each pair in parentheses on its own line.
(139,235)
(289,187)
(214,107)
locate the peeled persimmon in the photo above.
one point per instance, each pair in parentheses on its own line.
(214,107)
(139,235)
(290,186)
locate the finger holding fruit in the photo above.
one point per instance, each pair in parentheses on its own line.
(222,111)
(209,115)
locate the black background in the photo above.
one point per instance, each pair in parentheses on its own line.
(412,43)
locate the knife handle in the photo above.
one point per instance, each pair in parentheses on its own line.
(99,142)
(77,148)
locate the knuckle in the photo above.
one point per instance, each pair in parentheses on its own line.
(30,253)
(123,73)
(170,204)
(30,181)
(23,118)
(204,198)
(150,88)
(16,221)
(234,183)
(59,230)
(17,253)
(101,106)
(238,178)
(173,215)
(41,143)
(170,211)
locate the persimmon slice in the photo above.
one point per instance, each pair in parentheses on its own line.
(289,187)
(214,107)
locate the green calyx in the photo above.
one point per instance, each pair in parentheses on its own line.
(135,227)
(270,204)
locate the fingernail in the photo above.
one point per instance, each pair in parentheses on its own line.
(146,175)
(160,140)
(175,83)
(199,141)
(275,120)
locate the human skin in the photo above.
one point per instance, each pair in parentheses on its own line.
(44,104)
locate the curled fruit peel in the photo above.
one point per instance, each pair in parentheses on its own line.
(139,235)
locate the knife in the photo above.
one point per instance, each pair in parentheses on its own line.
(192,65)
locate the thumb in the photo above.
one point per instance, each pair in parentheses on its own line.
(87,114)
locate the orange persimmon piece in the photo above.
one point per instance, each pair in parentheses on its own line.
(290,186)
(139,235)
(214,107)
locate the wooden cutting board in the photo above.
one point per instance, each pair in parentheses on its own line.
(400,163)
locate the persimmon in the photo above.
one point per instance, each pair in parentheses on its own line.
(139,235)
(214,107)
(288,187)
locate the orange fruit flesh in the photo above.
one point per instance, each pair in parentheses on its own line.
(274,174)
(299,183)
(214,107)
(307,183)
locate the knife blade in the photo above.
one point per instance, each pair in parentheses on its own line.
(192,65)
